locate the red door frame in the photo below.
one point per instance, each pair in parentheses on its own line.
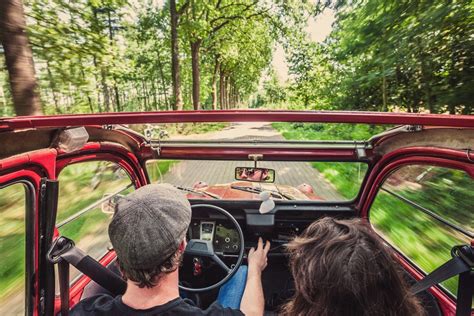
(453,159)
(47,163)
(31,168)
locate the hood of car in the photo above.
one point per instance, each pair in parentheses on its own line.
(244,190)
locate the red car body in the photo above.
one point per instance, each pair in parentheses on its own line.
(28,153)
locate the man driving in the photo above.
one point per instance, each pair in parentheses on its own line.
(148,232)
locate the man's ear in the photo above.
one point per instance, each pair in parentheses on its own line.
(182,245)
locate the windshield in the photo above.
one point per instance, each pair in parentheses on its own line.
(292,180)
(322,181)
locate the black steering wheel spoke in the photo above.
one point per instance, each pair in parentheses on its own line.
(221,263)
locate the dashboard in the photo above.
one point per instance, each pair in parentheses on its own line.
(222,234)
(278,226)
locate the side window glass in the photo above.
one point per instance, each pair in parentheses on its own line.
(157,169)
(84,189)
(401,214)
(12,249)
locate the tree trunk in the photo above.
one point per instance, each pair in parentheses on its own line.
(175,71)
(105,89)
(117,96)
(155,99)
(231,91)
(86,91)
(52,86)
(96,80)
(214,84)
(227,90)
(145,96)
(18,58)
(195,47)
(162,75)
(221,88)
(384,93)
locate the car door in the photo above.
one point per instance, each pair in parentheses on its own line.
(46,191)
(418,198)
(25,180)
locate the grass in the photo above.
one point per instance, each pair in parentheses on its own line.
(422,239)
(157,168)
(419,237)
(346,177)
(317,131)
(12,240)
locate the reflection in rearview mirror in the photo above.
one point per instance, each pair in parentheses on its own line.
(255,174)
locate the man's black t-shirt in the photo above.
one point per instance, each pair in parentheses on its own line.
(107,305)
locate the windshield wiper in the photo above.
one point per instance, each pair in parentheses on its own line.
(214,196)
(274,193)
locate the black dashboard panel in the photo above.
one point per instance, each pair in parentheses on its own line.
(279,226)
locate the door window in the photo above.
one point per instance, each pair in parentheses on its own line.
(84,189)
(13,208)
(424,211)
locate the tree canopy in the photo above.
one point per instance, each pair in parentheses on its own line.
(114,55)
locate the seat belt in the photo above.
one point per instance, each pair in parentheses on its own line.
(63,252)
(461,264)
(63,271)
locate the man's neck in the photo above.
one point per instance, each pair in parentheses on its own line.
(144,298)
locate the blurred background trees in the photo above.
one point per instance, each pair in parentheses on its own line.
(389,55)
(117,55)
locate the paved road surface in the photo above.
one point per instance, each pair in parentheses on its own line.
(187,172)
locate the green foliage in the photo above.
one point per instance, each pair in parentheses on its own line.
(273,93)
(318,131)
(157,168)
(422,239)
(345,177)
(389,55)
(110,55)
(12,240)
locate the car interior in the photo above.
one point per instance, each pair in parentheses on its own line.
(280,226)
(251,200)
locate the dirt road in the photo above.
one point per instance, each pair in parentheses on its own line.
(187,172)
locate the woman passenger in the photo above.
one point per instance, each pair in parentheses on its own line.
(340,268)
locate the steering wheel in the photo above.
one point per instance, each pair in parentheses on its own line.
(205,249)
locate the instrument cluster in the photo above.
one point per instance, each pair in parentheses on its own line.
(224,236)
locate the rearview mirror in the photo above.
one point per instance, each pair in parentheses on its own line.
(255,174)
(109,202)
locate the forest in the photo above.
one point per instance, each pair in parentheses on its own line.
(90,56)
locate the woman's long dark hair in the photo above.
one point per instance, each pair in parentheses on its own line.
(340,268)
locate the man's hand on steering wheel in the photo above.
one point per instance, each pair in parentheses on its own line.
(257,258)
